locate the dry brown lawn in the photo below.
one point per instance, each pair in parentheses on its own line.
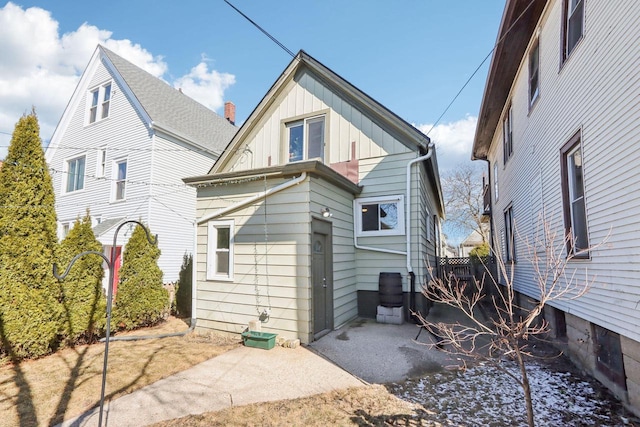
(68,383)
(361,406)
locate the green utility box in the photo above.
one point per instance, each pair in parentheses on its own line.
(264,340)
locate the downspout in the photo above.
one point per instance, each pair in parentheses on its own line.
(412,276)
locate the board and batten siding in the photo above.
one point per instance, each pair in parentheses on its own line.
(306,96)
(271,268)
(595,91)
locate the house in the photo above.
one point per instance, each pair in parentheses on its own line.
(558,128)
(321,190)
(471,241)
(124,142)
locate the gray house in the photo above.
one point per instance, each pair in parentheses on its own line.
(120,149)
(320,191)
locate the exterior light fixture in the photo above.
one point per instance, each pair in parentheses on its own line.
(326,212)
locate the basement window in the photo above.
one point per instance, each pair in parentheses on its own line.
(609,358)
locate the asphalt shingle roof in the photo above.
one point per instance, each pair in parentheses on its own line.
(172,110)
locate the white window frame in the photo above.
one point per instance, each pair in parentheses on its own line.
(429,225)
(507,134)
(495,180)
(67,174)
(99,106)
(212,249)
(116,180)
(357,213)
(65,228)
(534,73)
(101,162)
(305,123)
(573,20)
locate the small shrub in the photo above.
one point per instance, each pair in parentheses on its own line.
(479,252)
(183,293)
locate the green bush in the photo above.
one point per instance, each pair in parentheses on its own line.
(141,299)
(479,252)
(183,293)
(30,308)
(83,299)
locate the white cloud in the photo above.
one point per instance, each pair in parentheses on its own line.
(206,87)
(41,68)
(453,141)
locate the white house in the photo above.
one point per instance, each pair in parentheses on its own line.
(320,191)
(559,129)
(124,142)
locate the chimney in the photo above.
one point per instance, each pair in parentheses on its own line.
(230,112)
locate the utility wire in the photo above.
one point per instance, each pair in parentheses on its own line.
(282,46)
(481,64)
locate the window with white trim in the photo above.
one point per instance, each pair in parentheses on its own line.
(534,72)
(305,139)
(495,180)
(379,216)
(575,213)
(573,25)
(101,162)
(99,103)
(75,174)
(509,235)
(429,225)
(507,134)
(220,250)
(120,179)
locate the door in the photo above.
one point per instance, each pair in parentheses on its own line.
(322,277)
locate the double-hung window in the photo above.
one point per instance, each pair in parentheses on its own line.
(306,139)
(534,72)
(573,25)
(101,162)
(220,250)
(509,235)
(75,174)
(507,134)
(380,216)
(120,179)
(99,103)
(575,214)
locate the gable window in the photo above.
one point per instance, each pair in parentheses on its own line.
(99,99)
(220,250)
(534,69)
(75,174)
(379,216)
(509,235)
(507,135)
(101,162)
(120,180)
(573,24)
(575,215)
(306,139)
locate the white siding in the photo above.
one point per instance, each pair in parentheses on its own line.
(596,91)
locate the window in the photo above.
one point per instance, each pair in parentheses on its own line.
(101,162)
(306,139)
(495,180)
(102,93)
(509,235)
(534,69)
(120,180)
(220,250)
(65,227)
(380,216)
(572,25)
(609,359)
(507,135)
(75,174)
(575,215)
(429,225)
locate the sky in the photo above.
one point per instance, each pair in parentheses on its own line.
(412,56)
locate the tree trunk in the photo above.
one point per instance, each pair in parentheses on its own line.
(525,387)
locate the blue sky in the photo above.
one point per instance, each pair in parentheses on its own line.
(412,56)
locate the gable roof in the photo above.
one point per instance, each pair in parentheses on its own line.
(162,107)
(519,21)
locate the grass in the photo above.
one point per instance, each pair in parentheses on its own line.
(66,384)
(372,405)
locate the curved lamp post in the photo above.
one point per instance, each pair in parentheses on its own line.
(111,265)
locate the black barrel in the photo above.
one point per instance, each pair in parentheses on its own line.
(390,289)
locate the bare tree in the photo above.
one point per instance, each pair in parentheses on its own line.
(505,333)
(463,200)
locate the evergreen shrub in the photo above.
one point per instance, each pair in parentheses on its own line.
(184,291)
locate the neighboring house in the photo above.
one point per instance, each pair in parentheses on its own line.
(120,149)
(471,241)
(309,204)
(559,128)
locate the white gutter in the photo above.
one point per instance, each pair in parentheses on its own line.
(252,199)
(408,206)
(369,248)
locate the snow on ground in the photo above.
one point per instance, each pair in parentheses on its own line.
(486,396)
